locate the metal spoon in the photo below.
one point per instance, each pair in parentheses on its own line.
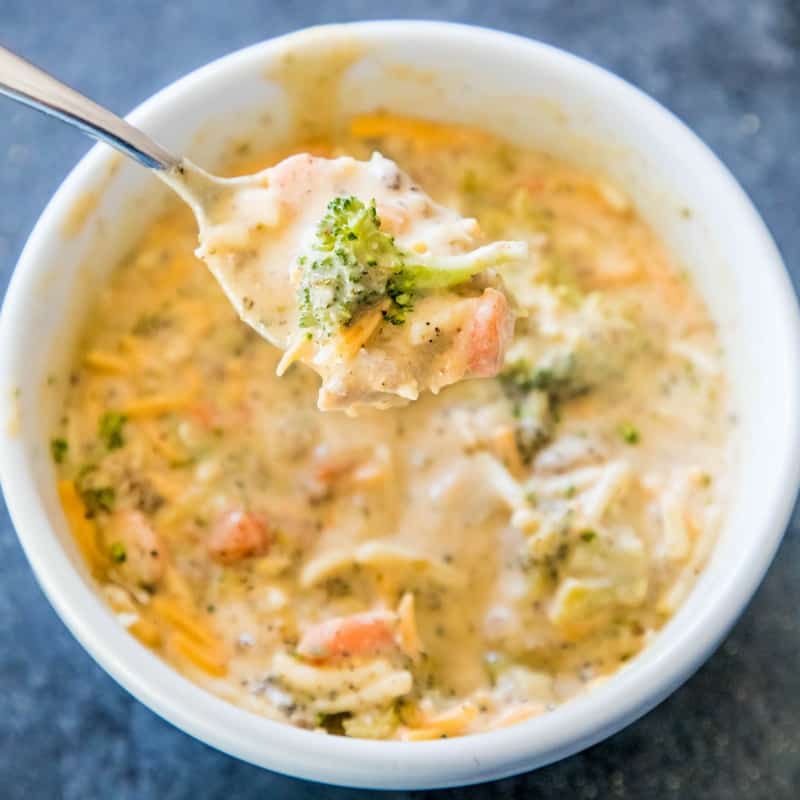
(206,194)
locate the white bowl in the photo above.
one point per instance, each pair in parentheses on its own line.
(534,94)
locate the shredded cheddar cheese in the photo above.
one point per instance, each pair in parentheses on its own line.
(453,565)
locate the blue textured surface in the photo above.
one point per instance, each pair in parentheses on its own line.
(732,71)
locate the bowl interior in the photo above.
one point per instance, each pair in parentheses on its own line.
(533,95)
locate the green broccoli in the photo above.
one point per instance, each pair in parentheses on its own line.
(110,429)
(535,392)
(352,264)
(558,377)
(58,450)
(98,498)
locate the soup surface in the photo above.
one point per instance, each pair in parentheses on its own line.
(459,564)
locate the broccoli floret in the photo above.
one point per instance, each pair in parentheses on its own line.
(110,428)
(535,393)
(352,264)
(557,377)
(533,423)
(58,450)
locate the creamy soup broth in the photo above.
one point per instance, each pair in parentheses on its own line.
(470,560)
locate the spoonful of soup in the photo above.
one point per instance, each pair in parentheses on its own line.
(345,265)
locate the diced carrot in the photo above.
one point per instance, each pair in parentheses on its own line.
(364,634)
(487,334)
(238,535)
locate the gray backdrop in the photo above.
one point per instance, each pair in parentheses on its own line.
(732,71)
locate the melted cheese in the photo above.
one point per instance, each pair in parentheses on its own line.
(489,552)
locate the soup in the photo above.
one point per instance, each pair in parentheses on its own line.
(459,564)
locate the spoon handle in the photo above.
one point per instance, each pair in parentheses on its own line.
(28,84)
